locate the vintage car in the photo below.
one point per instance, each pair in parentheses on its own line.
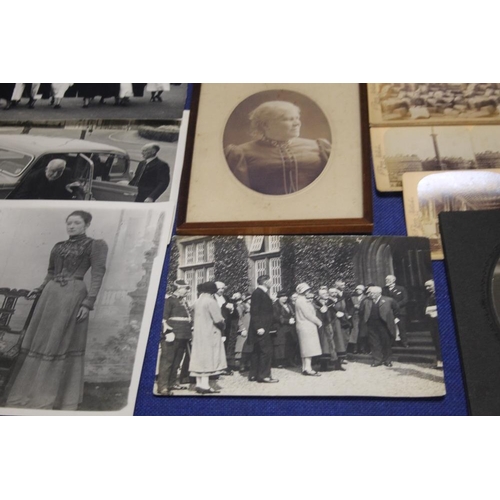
(102,171)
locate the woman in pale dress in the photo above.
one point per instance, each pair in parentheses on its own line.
(58,91)
(307,324)
(157,90)
(208,357)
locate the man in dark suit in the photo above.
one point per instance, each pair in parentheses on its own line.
(152,176)
(52,183)
(379,315)
(259,332)
(400,295)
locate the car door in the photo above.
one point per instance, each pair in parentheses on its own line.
(111,179)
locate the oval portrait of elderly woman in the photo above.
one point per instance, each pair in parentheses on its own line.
(277,142)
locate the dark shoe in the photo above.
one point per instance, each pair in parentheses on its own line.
(374,365)
(177,387)
(210,390)
(227,372)
(31,103)
(337,366)
(268,380)
(388,364)
(252,379)
(159,99)
(311,373)
(57,106)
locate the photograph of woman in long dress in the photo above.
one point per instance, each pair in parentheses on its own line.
(280,159)
(50,368)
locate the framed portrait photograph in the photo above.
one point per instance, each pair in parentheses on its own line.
(276,159)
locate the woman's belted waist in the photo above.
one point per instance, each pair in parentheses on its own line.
(63,280)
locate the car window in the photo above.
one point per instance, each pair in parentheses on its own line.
(13,162)
(119,166)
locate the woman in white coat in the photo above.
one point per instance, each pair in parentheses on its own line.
(208,357)
(307,324)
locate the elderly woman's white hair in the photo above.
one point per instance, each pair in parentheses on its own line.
(267,111)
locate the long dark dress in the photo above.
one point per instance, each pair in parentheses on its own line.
(49,371)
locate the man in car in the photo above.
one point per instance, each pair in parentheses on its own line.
(152,176)
(52,183)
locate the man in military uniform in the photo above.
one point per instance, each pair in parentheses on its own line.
(177,333)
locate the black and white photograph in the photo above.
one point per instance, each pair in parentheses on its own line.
(424,149)
(417,103)
(277,142)
(78,284)
(300,316)
(427,194)
(89,162)
(45,102)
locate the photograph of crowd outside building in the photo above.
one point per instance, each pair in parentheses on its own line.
(300,316)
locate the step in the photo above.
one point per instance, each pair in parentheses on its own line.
(415,359)
(426,350)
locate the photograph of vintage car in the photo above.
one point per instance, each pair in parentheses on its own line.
(104,164)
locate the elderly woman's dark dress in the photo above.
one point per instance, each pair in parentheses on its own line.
(50,368)
(278,167)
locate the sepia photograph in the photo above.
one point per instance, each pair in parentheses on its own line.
(91,162)
(443,103)
(277,142)
(427,194)
(73,323)
(48,102)
(300,316)
(397,151)
(472,250)
(277,158)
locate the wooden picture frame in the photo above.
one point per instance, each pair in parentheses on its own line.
(214,201)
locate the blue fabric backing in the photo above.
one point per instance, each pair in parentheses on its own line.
(389,220)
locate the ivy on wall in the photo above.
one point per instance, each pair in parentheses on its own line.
(320,261)
(231,263)
(173,264)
